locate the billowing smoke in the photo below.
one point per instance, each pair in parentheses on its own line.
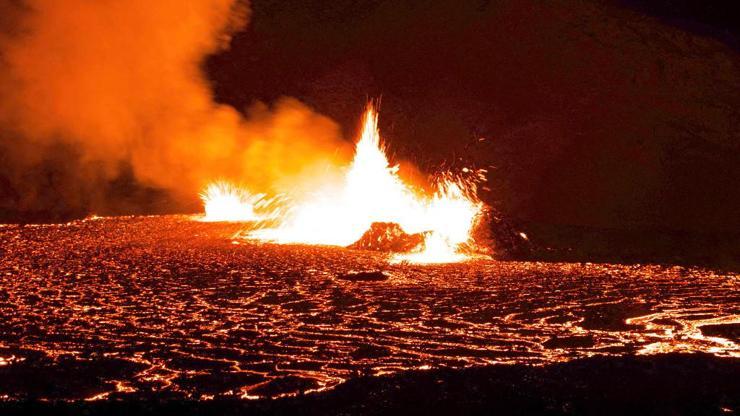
(119,83)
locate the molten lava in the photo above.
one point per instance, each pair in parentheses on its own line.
(371,191)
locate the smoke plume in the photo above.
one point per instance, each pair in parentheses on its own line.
(120,82)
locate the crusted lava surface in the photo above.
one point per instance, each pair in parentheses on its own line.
(174,307)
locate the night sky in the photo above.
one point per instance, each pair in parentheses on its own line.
(618,115)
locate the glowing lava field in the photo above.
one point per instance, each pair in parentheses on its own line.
(174,307)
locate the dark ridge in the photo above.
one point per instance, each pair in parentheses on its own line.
(718,18)
(565,243)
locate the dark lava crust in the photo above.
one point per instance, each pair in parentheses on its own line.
(172,308)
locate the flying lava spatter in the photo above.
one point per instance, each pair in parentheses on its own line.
(225,202)
(370,191)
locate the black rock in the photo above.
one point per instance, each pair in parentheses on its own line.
(364,276)
(387,236)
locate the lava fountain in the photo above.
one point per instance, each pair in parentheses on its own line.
(223,201)
(371,191)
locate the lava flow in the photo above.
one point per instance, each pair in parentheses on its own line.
(370,191)
(132,307)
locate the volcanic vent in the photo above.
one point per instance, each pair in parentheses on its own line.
(367,206)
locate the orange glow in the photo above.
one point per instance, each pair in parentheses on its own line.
(225,202)
(339,211)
